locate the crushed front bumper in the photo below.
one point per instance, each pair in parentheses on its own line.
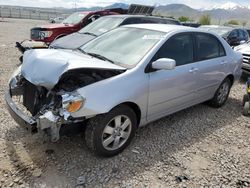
(21,118)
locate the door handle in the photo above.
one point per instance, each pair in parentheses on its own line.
(223,62)
(193,70)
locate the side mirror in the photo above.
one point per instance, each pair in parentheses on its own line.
(164,64)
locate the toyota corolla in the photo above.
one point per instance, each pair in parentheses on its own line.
(120,81)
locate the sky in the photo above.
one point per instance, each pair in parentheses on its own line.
(198,4)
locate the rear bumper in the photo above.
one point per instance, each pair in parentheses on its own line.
(22,119)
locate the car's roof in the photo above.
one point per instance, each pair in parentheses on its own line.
(138,16)
(164,27)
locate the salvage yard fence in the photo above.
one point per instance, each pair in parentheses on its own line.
(29,13)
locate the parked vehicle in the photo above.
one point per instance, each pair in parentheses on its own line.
(244,49)
(122,80)
(234,36)
(71,24)
(56,20)
(102,25)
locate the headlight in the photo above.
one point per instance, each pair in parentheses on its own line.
(15,77)
(45,34)
(72,102)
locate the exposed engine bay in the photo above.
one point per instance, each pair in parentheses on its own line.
(74,79)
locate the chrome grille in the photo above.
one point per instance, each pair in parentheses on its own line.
(246,58)
(35,33)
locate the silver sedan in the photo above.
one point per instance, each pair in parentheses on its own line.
(122,80)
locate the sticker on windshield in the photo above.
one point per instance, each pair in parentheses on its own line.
(153,37)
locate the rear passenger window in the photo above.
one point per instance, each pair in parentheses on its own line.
(179,48)
(208,47)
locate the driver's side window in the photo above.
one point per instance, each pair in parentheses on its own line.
(179,48)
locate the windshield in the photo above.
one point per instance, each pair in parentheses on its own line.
(124,46)
(102,25)
(74,18)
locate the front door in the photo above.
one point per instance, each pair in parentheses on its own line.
(173,90)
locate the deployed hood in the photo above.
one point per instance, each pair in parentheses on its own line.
(244,48)
(44,67)
(72,41)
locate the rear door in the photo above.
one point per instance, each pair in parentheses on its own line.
(211,56)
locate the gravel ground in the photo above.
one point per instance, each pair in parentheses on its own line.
(197,147)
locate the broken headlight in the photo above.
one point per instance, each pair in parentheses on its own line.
(72,102)
(15,77)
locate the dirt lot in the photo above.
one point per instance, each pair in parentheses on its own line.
(197,147)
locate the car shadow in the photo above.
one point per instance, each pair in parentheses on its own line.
(154,143)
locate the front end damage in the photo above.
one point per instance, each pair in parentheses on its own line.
(38,109)
(41,109)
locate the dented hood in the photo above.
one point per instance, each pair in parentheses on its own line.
(44,67)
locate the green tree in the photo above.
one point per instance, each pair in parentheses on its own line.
(184,19)
(205,20)
(233,22)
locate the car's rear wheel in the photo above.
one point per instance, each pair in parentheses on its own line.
(221,95)
(110,133)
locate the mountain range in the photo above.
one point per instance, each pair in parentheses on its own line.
(227,11)
(219,14)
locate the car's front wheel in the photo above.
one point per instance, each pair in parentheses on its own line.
(110,133)
(221,94)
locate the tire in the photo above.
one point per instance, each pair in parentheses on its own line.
(108,134)
(221,95)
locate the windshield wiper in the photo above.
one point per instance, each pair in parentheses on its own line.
(81,50)
(96,56)
(100,57)
(88,33)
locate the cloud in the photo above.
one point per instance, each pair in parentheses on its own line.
(89,3)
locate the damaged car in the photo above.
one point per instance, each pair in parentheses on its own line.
(120,81)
